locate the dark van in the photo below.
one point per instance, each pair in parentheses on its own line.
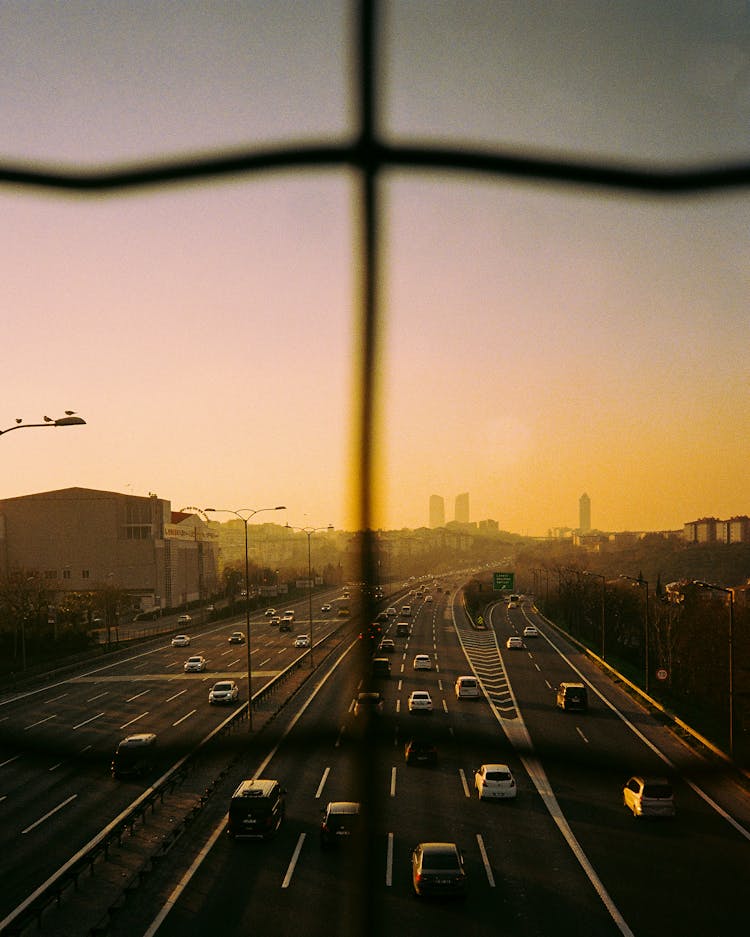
(572,696)
(256,809)
(381,667)
(402,629)
(134,756)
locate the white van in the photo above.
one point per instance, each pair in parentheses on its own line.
(467,688)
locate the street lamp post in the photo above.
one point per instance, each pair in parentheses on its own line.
(310,531)
(587,572)
(640,581)
(244,515)
(70,419)
(730,593)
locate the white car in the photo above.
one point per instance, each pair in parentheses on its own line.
(302,640)
(236,637)
(184,620)
(269,612)
(225,691)
(420,701)
(494,781)
(391,612)
(531,631)
(514,643)
(325,608)
(422,662)
(181,640)
(195,664)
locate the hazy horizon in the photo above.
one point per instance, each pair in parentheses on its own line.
(539,340)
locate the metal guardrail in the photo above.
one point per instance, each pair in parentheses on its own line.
(52,890)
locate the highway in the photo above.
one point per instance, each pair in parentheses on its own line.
(564,857)
(57,740)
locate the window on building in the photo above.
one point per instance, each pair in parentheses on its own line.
(66,574)
(50,574)
(85,574)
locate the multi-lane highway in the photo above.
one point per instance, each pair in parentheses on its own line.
(57,740)
(564,857)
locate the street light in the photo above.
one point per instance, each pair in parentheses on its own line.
(587,572)
(70,419)
(730,593)
(310,531)
(640,581)
(244,515)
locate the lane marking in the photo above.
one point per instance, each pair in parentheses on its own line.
(293,862)
(53,716)
(393,781)
(49,814)
(87,721)
(183,718)
(169,700)
(322,783)
(389,862)
(134,720)
(464,782)
(137,695)
(486,861)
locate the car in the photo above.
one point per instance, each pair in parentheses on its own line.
(387,646)
(512,604)
(341,820)
(256,809)
(391,612)
(420,751)
(438,869)
(467,687)
(275,621)
(649,797)
(572,696)
(419,701)
(210,608)
(531,631)
(289,613)
(195,664)
(285,624)
(428,598)
(302,640)
(325,608)
(269,612)
(381,667)
(514,643)
(422,662)
(236,637)
(368,701)
(134,755)
(225,691)
(181,640)
(406,611)
(494,781)
(184,620)
(402,629)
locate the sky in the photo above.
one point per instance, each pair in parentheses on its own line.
(539,341)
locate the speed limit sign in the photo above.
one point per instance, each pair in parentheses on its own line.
(661,674)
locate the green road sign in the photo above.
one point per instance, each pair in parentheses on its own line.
(503,581)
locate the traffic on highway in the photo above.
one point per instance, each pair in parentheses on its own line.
(518,810)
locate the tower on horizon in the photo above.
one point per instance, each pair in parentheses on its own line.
(462,508)
(437,511)
(584,513)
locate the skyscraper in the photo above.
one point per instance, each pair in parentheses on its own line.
(437,511)
(584,513)
(462,508)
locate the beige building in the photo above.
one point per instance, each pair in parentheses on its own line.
(80,539)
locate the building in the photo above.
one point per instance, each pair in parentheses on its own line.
(462,508)
(584,514)
(437,511)
(85,540)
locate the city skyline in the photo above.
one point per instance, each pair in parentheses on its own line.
(533,335)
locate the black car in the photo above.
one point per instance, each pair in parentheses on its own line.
(420,751)
(340,822)
(438,869)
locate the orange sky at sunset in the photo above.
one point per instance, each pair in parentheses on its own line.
(539,341)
